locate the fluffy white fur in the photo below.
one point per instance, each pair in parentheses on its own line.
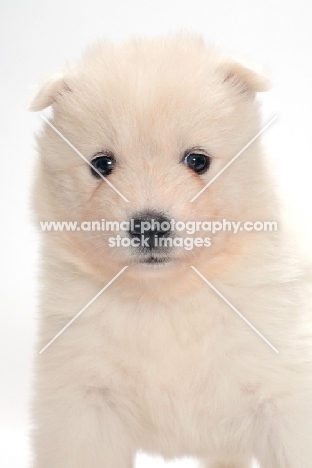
(159,362)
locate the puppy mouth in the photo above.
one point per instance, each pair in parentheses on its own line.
(153,260)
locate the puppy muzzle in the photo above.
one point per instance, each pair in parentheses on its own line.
(149,230)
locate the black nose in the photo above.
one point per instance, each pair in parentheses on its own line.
(148,227)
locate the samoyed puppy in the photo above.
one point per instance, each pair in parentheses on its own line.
(203,351)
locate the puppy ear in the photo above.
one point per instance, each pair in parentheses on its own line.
(47,92)
(248,77)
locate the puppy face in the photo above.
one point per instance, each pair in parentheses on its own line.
(159,119)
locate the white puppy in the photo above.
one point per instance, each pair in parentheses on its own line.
(160,361)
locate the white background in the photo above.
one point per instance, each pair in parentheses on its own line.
(38,38)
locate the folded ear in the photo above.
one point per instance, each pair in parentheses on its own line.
(249,77)
(48,92)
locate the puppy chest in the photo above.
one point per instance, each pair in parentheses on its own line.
(177,387)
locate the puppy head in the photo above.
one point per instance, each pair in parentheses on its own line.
(158,119)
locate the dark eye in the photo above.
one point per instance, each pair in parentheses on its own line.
(104,163)
(198,162)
